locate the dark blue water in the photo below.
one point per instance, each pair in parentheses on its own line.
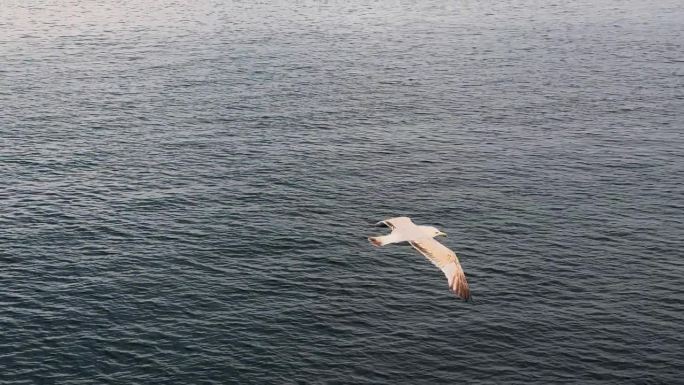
(186,188)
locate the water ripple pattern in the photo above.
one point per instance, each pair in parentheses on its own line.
(186,188)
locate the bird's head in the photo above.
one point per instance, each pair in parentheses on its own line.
(433,231)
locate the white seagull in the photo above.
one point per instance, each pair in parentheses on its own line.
(421,238)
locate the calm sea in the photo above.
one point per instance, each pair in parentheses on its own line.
(186,188)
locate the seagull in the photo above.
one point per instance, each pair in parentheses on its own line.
(421,238)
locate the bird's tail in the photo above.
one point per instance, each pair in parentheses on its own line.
(377,241)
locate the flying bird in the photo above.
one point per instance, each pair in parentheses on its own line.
(421,238)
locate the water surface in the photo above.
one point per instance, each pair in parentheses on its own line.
(187,187)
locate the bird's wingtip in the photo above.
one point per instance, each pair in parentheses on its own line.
(375,241)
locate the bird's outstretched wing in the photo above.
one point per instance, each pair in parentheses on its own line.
(442,257)
(393,223)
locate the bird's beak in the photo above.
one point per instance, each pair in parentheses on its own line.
(441,233)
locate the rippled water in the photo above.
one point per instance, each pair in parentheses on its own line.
(187,187)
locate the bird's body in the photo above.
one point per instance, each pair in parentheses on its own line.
(405,233)
(421,238)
